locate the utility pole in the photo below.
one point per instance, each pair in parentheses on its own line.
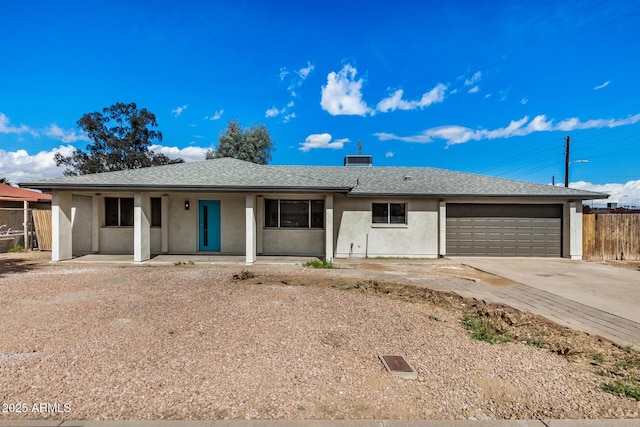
(566,162)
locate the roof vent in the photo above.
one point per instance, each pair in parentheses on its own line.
(359,160)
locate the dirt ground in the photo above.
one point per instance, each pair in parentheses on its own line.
(286,342)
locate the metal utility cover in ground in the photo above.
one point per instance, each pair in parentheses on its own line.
(398,366)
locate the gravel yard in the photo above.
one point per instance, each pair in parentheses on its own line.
(190,342)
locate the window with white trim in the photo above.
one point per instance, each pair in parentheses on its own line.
(282,213)
(389,213)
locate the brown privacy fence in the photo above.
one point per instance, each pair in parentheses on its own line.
(42,222)
(12,229)
(607,237)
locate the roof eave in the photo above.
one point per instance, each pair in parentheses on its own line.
(226,189)
(502,196)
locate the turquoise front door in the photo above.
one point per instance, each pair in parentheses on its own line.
(209,225)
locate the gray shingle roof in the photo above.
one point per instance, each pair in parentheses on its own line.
(235,175)
(219,174)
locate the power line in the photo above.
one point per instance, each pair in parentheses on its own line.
(608,142)
(611,130)
(496,165)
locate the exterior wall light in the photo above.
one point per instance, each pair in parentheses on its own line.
(186,205)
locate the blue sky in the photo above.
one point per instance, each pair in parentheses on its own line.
(491,88)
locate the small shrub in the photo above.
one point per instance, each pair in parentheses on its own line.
(631,360)
(482,330)
(17,248)
(535,342)
(627,387)
(244,275)
(317,263)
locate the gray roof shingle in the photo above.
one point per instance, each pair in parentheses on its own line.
(236,175)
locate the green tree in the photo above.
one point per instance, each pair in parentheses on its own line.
(120,135)
(252,144)
(4,180)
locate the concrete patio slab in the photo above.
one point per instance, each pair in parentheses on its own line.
(201,259)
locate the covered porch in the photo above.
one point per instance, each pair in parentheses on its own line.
(169,227)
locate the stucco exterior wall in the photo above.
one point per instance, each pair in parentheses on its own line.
(357,236)
(116,240)
(81,223)
(183,224)
(293,242)
(273,241)
(572,230)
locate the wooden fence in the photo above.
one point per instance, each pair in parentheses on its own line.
(42,221)
(608,237)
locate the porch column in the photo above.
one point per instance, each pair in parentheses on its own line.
(442,229)
(575,230)
(61,242)
(164,223)
(328,227)
(141,227)
(95,223)
(250,215)
(25,226)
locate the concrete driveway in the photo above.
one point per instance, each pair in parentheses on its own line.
(610,289)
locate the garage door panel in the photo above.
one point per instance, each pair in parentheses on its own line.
(530,230)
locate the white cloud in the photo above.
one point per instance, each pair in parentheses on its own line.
(524,101)
(5,127)
(321,140)
(216,115)
(178,110)
(296,77)
(273,112)
(474,89)
(477,76)
(20,166)
(389,154)
(56,132)
(395,101)
(603,85)
(188,154)
(291,104)
(459,134)
(305,71)
(627,194)
(342,94)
